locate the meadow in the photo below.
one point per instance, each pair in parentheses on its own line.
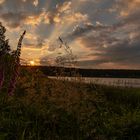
(49,109)
(35,107)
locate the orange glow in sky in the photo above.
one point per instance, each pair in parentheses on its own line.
(32,63)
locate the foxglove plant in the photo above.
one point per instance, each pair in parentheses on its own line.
(1,77)
(16,56)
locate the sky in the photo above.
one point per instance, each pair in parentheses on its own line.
(103,34)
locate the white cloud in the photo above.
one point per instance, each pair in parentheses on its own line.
(35,2)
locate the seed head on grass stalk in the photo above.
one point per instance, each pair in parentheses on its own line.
(16,66)
(69,58)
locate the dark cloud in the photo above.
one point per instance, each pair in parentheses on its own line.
(14,12)
(123,52)
(133,18)
(79,31)
(14,19)
(118,44)
(98,42)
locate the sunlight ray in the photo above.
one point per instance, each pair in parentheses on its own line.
(63,28)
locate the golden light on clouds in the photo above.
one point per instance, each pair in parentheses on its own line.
(1,1)
(97,31)
(65,7)
(35,2)
(33,20)
(129,7)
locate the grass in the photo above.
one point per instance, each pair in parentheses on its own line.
(47,109)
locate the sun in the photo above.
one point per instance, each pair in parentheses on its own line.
(32,63)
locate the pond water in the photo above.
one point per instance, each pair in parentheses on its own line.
(122,82)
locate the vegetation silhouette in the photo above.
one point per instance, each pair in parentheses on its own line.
(9,61)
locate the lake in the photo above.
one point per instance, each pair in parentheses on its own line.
(118,82)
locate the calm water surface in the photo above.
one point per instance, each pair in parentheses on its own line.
(123,82)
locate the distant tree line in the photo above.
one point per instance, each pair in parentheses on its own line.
(108,73)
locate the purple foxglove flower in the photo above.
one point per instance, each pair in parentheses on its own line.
(16,67)
(1,77)
(13,80)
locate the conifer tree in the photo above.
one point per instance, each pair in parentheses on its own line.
(4,50)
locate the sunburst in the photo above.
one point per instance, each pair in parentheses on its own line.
(32,63)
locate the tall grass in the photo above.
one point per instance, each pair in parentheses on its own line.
(43,109)
(50,109)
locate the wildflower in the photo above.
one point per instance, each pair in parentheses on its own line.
(16,56)
(1,77)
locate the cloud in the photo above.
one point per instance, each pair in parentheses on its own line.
(35,2)
(112,50)
(124,8)
(63,13)
(1,1)
(122,52)
(14,19)
(116,45)
(125,24)
(65,7)
(22,12)
(15,13)
(127,7)
(79,31)
(102,33)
